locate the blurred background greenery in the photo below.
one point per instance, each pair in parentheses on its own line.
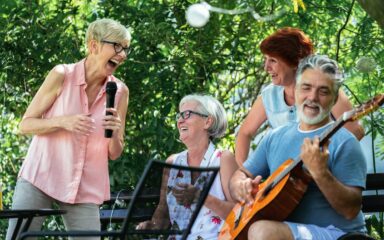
(171,59)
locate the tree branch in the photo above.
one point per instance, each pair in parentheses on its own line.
(342,28)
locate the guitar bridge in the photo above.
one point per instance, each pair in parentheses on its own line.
(238,216)
(267,189)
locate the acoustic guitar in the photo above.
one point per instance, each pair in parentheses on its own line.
(282,191)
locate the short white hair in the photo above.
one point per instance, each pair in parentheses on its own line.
(325,65)
(212,107)
(108,29)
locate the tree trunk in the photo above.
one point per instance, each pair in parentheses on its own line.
(375,9)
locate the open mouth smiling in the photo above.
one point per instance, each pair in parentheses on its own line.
(113,63)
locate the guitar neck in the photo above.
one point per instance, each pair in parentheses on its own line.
(327,134)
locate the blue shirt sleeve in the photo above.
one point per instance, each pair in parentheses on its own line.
(257,162)
(348,165)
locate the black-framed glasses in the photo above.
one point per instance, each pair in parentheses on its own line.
(187,114)
(118,47)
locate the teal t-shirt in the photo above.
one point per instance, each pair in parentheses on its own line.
(346,162)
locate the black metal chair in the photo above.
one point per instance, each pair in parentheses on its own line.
(152,178)
(26,216)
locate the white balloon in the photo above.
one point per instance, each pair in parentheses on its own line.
(366,64)
(197,15)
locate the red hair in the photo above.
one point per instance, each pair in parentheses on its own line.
(289,44)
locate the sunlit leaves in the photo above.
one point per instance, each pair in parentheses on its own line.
(296,4)
(171,59)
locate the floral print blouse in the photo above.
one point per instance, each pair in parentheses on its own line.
(207,224)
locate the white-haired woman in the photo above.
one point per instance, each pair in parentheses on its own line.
(201,119)
(67,161)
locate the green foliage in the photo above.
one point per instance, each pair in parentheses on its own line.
(12,152)
(375,225)
(169,60)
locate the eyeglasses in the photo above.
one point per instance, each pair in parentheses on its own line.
(118,47)
(187,114)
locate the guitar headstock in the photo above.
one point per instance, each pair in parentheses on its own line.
(364,109)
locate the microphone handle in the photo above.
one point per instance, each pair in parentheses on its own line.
(108,132)
(110,104)
(110,90)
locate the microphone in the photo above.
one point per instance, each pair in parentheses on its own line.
(110,89)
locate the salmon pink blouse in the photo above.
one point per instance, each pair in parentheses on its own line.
(67,166)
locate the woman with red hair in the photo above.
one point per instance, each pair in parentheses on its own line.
(283,51)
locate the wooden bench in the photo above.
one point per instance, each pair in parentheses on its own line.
(373,201)
(373,198)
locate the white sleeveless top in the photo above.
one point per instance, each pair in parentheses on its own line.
(207,224)
(277,110)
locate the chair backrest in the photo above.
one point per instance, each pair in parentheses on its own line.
(156,181)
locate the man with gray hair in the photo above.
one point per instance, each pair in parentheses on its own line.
(331,206)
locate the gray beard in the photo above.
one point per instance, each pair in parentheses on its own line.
(312,120)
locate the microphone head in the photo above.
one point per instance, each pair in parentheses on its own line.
(111,88)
